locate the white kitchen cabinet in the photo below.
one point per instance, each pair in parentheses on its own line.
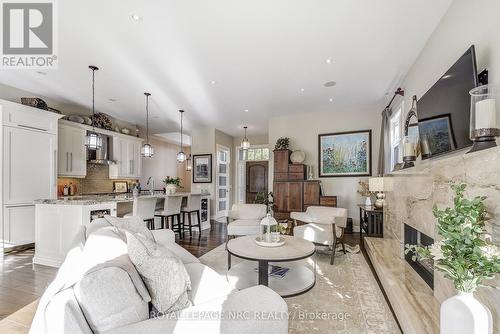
(72,153)
(29,165)
(19,227)
(127,154)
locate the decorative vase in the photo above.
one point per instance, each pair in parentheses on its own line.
(368,201)
(170,189)
(464,314)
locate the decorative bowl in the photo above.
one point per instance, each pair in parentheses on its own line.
(297,157)
(125,131)
(76,119)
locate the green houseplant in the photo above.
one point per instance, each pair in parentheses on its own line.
(283,143)
(267,198)
(171,184)
(466,256)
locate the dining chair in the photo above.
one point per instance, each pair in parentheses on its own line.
(193,206)
(171,214)
(144,207)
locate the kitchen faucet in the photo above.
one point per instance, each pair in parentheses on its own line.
(152,181)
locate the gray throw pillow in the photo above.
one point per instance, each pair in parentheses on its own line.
(165,276)
(131,224)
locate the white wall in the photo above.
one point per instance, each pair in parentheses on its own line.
(303,131)
(466,22)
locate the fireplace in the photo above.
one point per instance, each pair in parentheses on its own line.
(425,268)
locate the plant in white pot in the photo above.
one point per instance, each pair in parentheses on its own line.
(466,256)
(171,184)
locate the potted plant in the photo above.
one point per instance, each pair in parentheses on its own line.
(171,184)
(283,143)
(267,198)
(364,191)
(466,256)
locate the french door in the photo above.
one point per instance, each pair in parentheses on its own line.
(223,185)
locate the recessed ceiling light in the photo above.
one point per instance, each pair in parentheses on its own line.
(213,82)
(135,17)
(329,84)
(447,76)
(112,100)
(246,110)
(302,90)
(331,100)
(41,72)
(328,60)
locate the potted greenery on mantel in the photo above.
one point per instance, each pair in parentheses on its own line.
(466,256)
(171,184)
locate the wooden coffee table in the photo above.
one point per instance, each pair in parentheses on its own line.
(298,280)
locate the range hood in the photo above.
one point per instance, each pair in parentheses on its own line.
(101,156)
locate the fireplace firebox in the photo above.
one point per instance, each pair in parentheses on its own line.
(425,268)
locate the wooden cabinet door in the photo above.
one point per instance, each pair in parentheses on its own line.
(311,193)
(280,191)
(295,196)
(281,161)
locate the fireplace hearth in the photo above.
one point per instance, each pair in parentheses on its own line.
(425,268)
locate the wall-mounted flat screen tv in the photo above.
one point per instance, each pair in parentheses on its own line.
(444,110)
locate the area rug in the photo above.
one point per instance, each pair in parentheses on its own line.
(345,299)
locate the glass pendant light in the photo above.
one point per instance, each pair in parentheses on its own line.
(245,143)
(93,140)
(147,150)
(189,163)
(181,156)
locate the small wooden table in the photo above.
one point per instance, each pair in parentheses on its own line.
(298,280)
(371,221)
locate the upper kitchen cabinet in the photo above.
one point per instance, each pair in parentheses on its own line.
(72,153)
(127,155)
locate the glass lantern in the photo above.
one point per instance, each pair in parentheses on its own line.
(483,116)
(409,151)
(267,225)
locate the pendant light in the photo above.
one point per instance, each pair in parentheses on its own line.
(245,143)
(93,140)
(147,150)
(189,163)
(181,156)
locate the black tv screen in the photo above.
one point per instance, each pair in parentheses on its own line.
(444,110)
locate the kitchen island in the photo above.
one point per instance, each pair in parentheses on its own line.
(57,221)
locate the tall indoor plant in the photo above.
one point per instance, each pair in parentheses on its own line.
(466,256)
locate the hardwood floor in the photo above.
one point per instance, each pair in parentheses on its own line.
(22,282)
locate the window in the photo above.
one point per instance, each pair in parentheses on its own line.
(396,128)
(254,154)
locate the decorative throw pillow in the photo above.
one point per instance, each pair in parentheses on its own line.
(130,224)
(163,273)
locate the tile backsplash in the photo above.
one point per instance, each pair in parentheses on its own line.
(96,181)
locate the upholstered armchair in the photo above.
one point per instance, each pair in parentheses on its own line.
(244,219)
(324,226)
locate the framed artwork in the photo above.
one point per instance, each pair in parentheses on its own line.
(120,187)
(438,133)
(202,168)
(345,154)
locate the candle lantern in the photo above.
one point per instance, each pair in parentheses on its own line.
(483,117)
(409,151)
(266,225)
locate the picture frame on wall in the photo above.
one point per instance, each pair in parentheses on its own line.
(202,168)
(345,154)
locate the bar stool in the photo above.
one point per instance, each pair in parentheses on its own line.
(172,210)
(193,206)
(144,207)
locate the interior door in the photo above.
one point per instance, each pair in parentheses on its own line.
(256,179)
(223,181)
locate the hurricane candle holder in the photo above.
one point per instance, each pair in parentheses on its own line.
(483,117)
(409,151)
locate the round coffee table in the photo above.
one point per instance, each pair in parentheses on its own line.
(298,280)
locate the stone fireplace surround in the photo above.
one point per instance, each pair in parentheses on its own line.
(415,191)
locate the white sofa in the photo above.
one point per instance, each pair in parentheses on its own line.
(98,290)
(244,219)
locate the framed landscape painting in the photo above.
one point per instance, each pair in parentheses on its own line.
(202,168)
(345,154)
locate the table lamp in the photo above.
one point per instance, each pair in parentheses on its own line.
(376,184)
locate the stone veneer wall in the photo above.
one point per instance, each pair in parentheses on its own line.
(417,189)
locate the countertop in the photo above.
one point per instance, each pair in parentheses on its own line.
(103,199)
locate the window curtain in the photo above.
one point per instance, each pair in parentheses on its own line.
(384,156)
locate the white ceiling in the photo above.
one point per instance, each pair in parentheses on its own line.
(259,52)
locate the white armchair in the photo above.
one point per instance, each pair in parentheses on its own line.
(324,226)
(244,219)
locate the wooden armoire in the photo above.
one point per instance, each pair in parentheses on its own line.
(292,191)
